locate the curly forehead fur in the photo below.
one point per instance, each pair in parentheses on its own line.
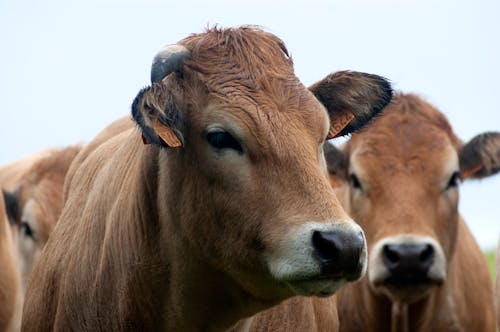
(246,56)
(245,70)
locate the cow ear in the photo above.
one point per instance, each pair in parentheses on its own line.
(157,115)
(352,99)
(336,163)
(11,200)
(480,157)
(154,109)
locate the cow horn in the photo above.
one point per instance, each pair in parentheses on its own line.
(167,60)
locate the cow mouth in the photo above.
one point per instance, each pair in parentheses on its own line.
(412,281)
(316,287)
(408,290)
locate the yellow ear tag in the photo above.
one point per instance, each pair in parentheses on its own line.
(339,123)
(167,135)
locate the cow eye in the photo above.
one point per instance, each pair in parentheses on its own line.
(26,229)
(454,180)
(221,139)
(353,179)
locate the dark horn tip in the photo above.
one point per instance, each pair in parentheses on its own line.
(167,60)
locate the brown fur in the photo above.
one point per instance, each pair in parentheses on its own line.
(296,314)
(41,186)
(400,160)
(113,129)
(9,277)
(25,173)
(301,314)
(11,174)
(152,238)
(481,156)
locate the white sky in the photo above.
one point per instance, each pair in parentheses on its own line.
(68,68)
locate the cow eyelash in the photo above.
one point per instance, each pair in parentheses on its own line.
(221,139)
(353,179)
(454,180)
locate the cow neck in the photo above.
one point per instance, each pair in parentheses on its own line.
(129,261)
(406,317)
(399,317)
(382,315)
(203,299)
(200,297)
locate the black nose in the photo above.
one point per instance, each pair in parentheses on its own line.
(339,253)
(408,262)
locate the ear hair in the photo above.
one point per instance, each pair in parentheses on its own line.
(480,157)
(356,97)
(157,115)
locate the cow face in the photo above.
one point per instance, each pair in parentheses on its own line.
(399,179)
(33,220)
(34,206)
(242,139)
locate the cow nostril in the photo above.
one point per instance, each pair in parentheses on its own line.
(408,262)
(427,254)
(339,253)
(325,245)
(391,255)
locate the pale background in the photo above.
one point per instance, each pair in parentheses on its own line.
(68,68)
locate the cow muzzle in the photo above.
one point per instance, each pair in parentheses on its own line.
(318,258)
(406,267)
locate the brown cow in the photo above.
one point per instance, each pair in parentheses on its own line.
(10,311)
(226,213)
(399,181)
(296,314)
(35,203)
(10,177)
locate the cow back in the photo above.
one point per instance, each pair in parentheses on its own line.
(110,131)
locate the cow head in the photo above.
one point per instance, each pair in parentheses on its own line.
(34,206)
(242,138)
(399,180)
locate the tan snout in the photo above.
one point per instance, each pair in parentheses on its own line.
(317,258)
(404,267)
